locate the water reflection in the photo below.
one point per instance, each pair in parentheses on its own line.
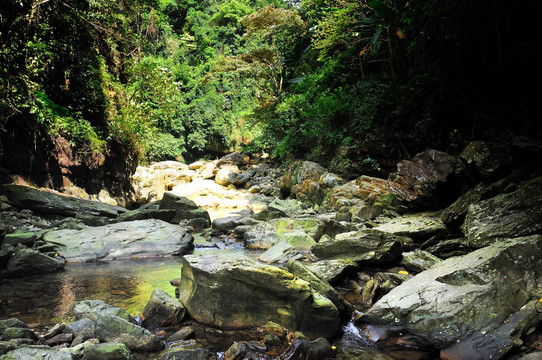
(46,299)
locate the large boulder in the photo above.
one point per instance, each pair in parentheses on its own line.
(162,310)
(418,226)
(507,215)
(27,261)
(233,291)
(92,309)
(367,246)
(301,233)
(116,329)
(186,209)
(489,160)
(134,239)
(366,189)
(47,202)
(226,175)
(467,302)
(432,179)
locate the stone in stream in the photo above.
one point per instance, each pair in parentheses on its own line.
(140,238)
(188,354)
(107,351)
(476,301)
(230,290)
(29,261)
(518,213)
(368,246)
(47,202)
(11,322)
(301,233)
(91,309)
(162,310)
(333,270)
(280,253)
(136,338)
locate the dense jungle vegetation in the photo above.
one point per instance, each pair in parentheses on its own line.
(343,81)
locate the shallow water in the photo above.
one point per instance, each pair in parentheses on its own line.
(47,299)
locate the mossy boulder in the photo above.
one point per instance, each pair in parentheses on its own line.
(114,328)
(107,351)
(230,290)
(162,310)
(301,233)
(27,261)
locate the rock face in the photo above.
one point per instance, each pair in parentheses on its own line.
(50,203)
(469,300)
(370,246)
(432,179)
(139,238)
(507,215)
(232,290)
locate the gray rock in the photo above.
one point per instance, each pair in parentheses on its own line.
(280,253)
(368,246)
(116,329)
(333,270)
(419,260)
(228,223)
(6,346)
(25,197)
(301,233)
(84,327)
(107,351)
(232,290)
(11,322)
(37,352)
(166,215)
(140,238)
(59,339)
(188,354)
(19,333)
(456,212)
(507,215)
(319,349)
(447,248)
(92,309)
(418,226)
(162,310)
(185,208)
(27,239)
(462,298)
(182,334)
(29,261)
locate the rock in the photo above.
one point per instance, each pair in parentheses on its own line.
(228,223)
(232,290)
(27,239)
(162,310)
(333,270)
(6,252)
(19,333)
(280,253)
(93,220)
(302,181)
(418,226)
(186,209)
(245,350)
(432,179)
(368,246)
(320,284)
(206,171)
(455,213)
(167,215)
(92,309)
(448,248)
(226,175)
(188,354)
(235,158)
(59,339)
(28,353)
(460,299)
(507,215)
(114,328)
(419,260)
(136,239)
(302,233)
(5,347)
(365,190)
(11,323)
(319,349)
(25,197)
(290,207)
(269,214)
(182,334)
(107,351)
(29,261)
(489,160)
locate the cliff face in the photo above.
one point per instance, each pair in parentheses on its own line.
(53,162)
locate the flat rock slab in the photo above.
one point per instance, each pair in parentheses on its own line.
(134,239)
(468,297)
(230,290)
(26,197)
(419,226)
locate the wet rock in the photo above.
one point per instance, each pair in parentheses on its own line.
(27,239)
(368,246)
(418,226)
(301,233)
(26,353)
(91,309)
(245,350)
(29,261)
(333,270)
(114,328)
(459,299)
(232,290)
(59,339)
(140,238)
(25,197)
(320,284)
(432,179)
(419,260)
(107,351)
(188,354)
(507,215)
(185,208)
(182,334)
(162,310)
(489,160)
(319,349)
(228,223)
(280,253)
